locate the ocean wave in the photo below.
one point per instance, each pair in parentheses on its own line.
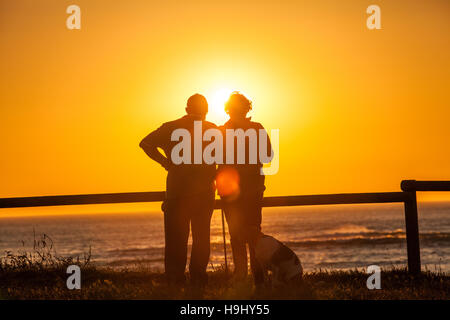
(392,237)
(129,262)
(362,239)
(337,238)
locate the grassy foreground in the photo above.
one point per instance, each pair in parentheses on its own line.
(41,274)
(101,283)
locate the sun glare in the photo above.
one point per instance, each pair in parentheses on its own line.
(216,99)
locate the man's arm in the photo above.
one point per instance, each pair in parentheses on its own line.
(150,146)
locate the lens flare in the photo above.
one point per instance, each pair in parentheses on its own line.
(227,183)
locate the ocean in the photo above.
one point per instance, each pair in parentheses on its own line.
(324,237)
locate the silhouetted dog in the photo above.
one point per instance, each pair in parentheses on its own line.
(282,261)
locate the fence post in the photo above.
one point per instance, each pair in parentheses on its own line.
(412,227)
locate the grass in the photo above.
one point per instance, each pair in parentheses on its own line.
(41,274)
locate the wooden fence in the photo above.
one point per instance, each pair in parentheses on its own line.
(407,196)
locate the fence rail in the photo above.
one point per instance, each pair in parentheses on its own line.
(104,198)
(407,196)
(414,185)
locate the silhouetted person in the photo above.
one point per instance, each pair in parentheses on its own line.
(190,194)
(241,186)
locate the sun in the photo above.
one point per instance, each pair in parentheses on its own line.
(216,100)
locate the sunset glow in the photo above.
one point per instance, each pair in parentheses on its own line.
(358,110)
(217,101)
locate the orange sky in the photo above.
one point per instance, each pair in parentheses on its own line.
(358,110)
